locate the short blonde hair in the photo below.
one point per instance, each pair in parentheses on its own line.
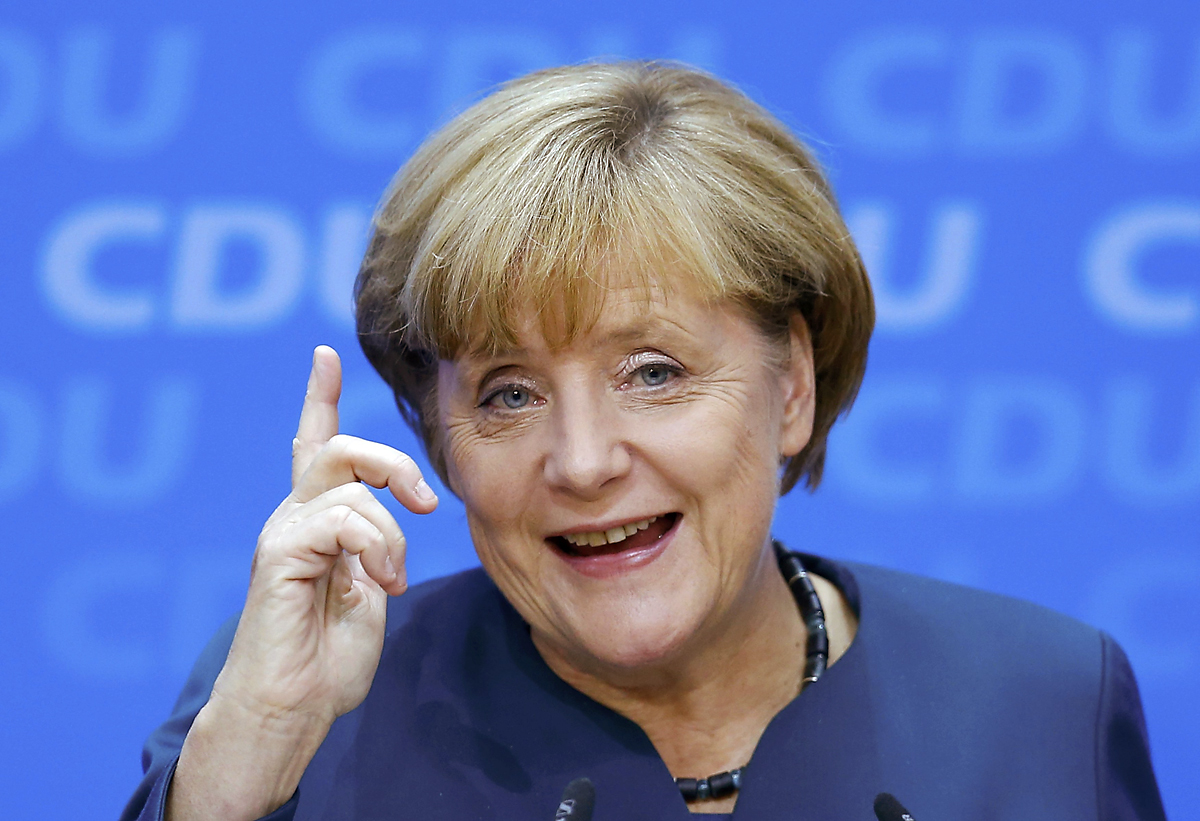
(522,198)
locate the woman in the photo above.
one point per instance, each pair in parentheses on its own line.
(619,305)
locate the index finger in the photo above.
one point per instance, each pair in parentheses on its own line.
(319,416)
(349,459)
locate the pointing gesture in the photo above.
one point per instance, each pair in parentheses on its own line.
(327,469)
(308,642)
(319,416)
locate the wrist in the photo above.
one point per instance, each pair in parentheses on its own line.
(242,762)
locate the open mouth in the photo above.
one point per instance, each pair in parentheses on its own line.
(632,536)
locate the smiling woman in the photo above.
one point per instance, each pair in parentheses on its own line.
(597,444)
(620,307)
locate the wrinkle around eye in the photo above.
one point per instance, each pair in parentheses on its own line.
(482,423)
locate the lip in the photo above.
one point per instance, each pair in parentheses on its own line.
(607,565)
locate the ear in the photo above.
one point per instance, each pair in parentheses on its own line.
(798,382)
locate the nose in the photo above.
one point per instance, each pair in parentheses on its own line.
(587,450)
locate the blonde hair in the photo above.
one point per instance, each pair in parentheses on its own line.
(522,200)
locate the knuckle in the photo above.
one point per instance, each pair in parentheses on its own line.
(341,443)
(393,540)
(354,525)
(358,494)
(271,547)
(345,515)
(405,463)
(269,535)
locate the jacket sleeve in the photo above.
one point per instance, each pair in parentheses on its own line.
(161,752)
(1125,783)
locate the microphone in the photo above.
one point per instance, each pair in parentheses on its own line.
(887,808)
(578,801)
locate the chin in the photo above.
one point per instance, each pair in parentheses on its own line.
(638,637)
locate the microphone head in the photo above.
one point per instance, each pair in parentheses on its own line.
(578,801)
(887,808)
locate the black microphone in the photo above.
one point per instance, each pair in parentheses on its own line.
(578,801)
(887,808)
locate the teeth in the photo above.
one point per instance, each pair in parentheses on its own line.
(599,538)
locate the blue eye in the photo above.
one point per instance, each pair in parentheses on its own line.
(513,397)
(655,374)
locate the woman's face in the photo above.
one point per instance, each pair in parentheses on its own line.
(620,489)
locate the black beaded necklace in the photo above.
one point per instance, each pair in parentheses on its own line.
(816,656)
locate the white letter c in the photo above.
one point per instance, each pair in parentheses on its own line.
(1110,267)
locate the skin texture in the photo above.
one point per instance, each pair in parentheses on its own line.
(668,406)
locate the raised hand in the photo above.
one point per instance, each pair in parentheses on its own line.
(309,639)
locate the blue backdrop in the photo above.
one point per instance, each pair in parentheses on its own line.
(186,189)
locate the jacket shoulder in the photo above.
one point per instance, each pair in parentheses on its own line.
(987,687)
(972,623)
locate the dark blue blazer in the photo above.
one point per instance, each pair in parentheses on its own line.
(966,705)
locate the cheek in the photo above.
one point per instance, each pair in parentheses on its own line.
(727,442)
(728,458)
(493,479)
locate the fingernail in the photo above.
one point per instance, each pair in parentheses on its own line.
(424,491)
(388,566)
